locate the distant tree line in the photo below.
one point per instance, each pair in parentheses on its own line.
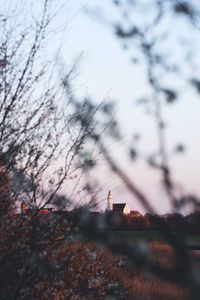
(189,224)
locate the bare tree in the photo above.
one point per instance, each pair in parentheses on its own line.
(37,132)
(39,141)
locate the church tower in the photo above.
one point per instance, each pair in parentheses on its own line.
(109,204)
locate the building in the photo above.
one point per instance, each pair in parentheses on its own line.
(117,208)
(121,209)
(25,210)
(135,213)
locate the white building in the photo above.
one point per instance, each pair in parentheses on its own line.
(118,208)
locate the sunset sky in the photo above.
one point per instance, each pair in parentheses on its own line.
(105,71)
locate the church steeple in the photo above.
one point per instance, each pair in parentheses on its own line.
(109,204)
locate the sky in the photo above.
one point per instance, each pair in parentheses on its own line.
(105,72)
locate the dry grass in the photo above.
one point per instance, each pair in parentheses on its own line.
(88,260)
(155,288)
(139,286)
(144,286)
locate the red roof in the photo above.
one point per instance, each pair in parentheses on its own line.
(135,212)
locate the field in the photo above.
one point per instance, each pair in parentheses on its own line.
(130,282)
(149,287)
(97,270)
(137,235)
(151,235)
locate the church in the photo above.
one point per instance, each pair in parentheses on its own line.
(120,208)
(117,208)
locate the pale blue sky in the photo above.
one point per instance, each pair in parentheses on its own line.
(105,71)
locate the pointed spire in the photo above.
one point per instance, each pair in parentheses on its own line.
(109,203)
